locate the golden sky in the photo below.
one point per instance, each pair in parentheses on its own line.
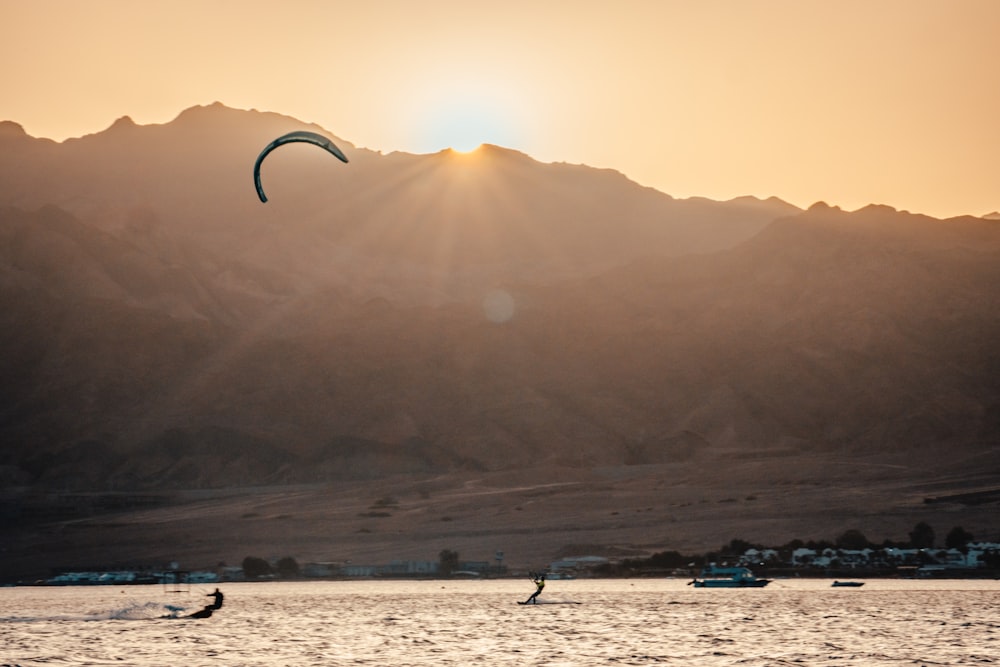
(847,101)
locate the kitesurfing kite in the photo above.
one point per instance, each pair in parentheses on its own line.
(301,135)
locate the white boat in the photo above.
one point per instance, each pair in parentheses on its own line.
(727,577)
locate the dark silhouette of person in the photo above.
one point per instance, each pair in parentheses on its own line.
(218,600)
(204,613)
(540,584)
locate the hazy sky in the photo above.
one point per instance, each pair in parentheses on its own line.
(846,101)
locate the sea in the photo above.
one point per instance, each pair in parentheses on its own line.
(462,623)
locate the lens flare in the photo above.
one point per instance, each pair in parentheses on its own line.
(498,305)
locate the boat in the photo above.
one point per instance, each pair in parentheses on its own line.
(846,584)
(727,577)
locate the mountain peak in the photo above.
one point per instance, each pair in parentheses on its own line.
(877,208)
(123,123)
(822,206)
(9,129)
(201,110)
(751,200)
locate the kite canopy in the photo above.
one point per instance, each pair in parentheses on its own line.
(300,136)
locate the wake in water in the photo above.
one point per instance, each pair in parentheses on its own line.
(133,611)
(550,600)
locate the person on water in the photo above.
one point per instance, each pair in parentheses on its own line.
(539,581)
(218,599)
(204,613)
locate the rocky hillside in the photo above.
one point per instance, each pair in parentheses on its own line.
(426,313)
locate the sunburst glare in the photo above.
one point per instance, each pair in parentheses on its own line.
(464,114)
(465,126)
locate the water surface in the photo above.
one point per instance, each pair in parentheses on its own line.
(596,622)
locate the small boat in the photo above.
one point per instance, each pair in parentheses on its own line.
(727,577)
(848,584)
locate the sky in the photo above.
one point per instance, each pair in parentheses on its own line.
(850,102)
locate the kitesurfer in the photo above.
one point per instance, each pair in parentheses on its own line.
(204,613)
(539,581)
(218,599)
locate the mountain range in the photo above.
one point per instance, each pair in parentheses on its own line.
(476,316)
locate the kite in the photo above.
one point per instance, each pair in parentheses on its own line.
(301,135)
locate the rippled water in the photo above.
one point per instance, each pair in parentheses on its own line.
(614,622)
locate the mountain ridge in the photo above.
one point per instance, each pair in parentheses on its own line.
(164,331)
(348,207)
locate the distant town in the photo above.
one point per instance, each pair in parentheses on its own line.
(851,555)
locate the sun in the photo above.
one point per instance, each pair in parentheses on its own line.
(465,125)
(463,116)
(466,147)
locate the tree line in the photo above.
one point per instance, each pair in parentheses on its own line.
(921,537)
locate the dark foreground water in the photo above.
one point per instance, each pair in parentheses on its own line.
(587,622)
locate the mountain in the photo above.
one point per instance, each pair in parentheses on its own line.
(171,283)
(476,317)
(871,330)
(438,227)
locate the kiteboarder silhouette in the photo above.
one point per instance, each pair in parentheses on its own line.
(204,613)
(218,599)
(539,581)
(209,608)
